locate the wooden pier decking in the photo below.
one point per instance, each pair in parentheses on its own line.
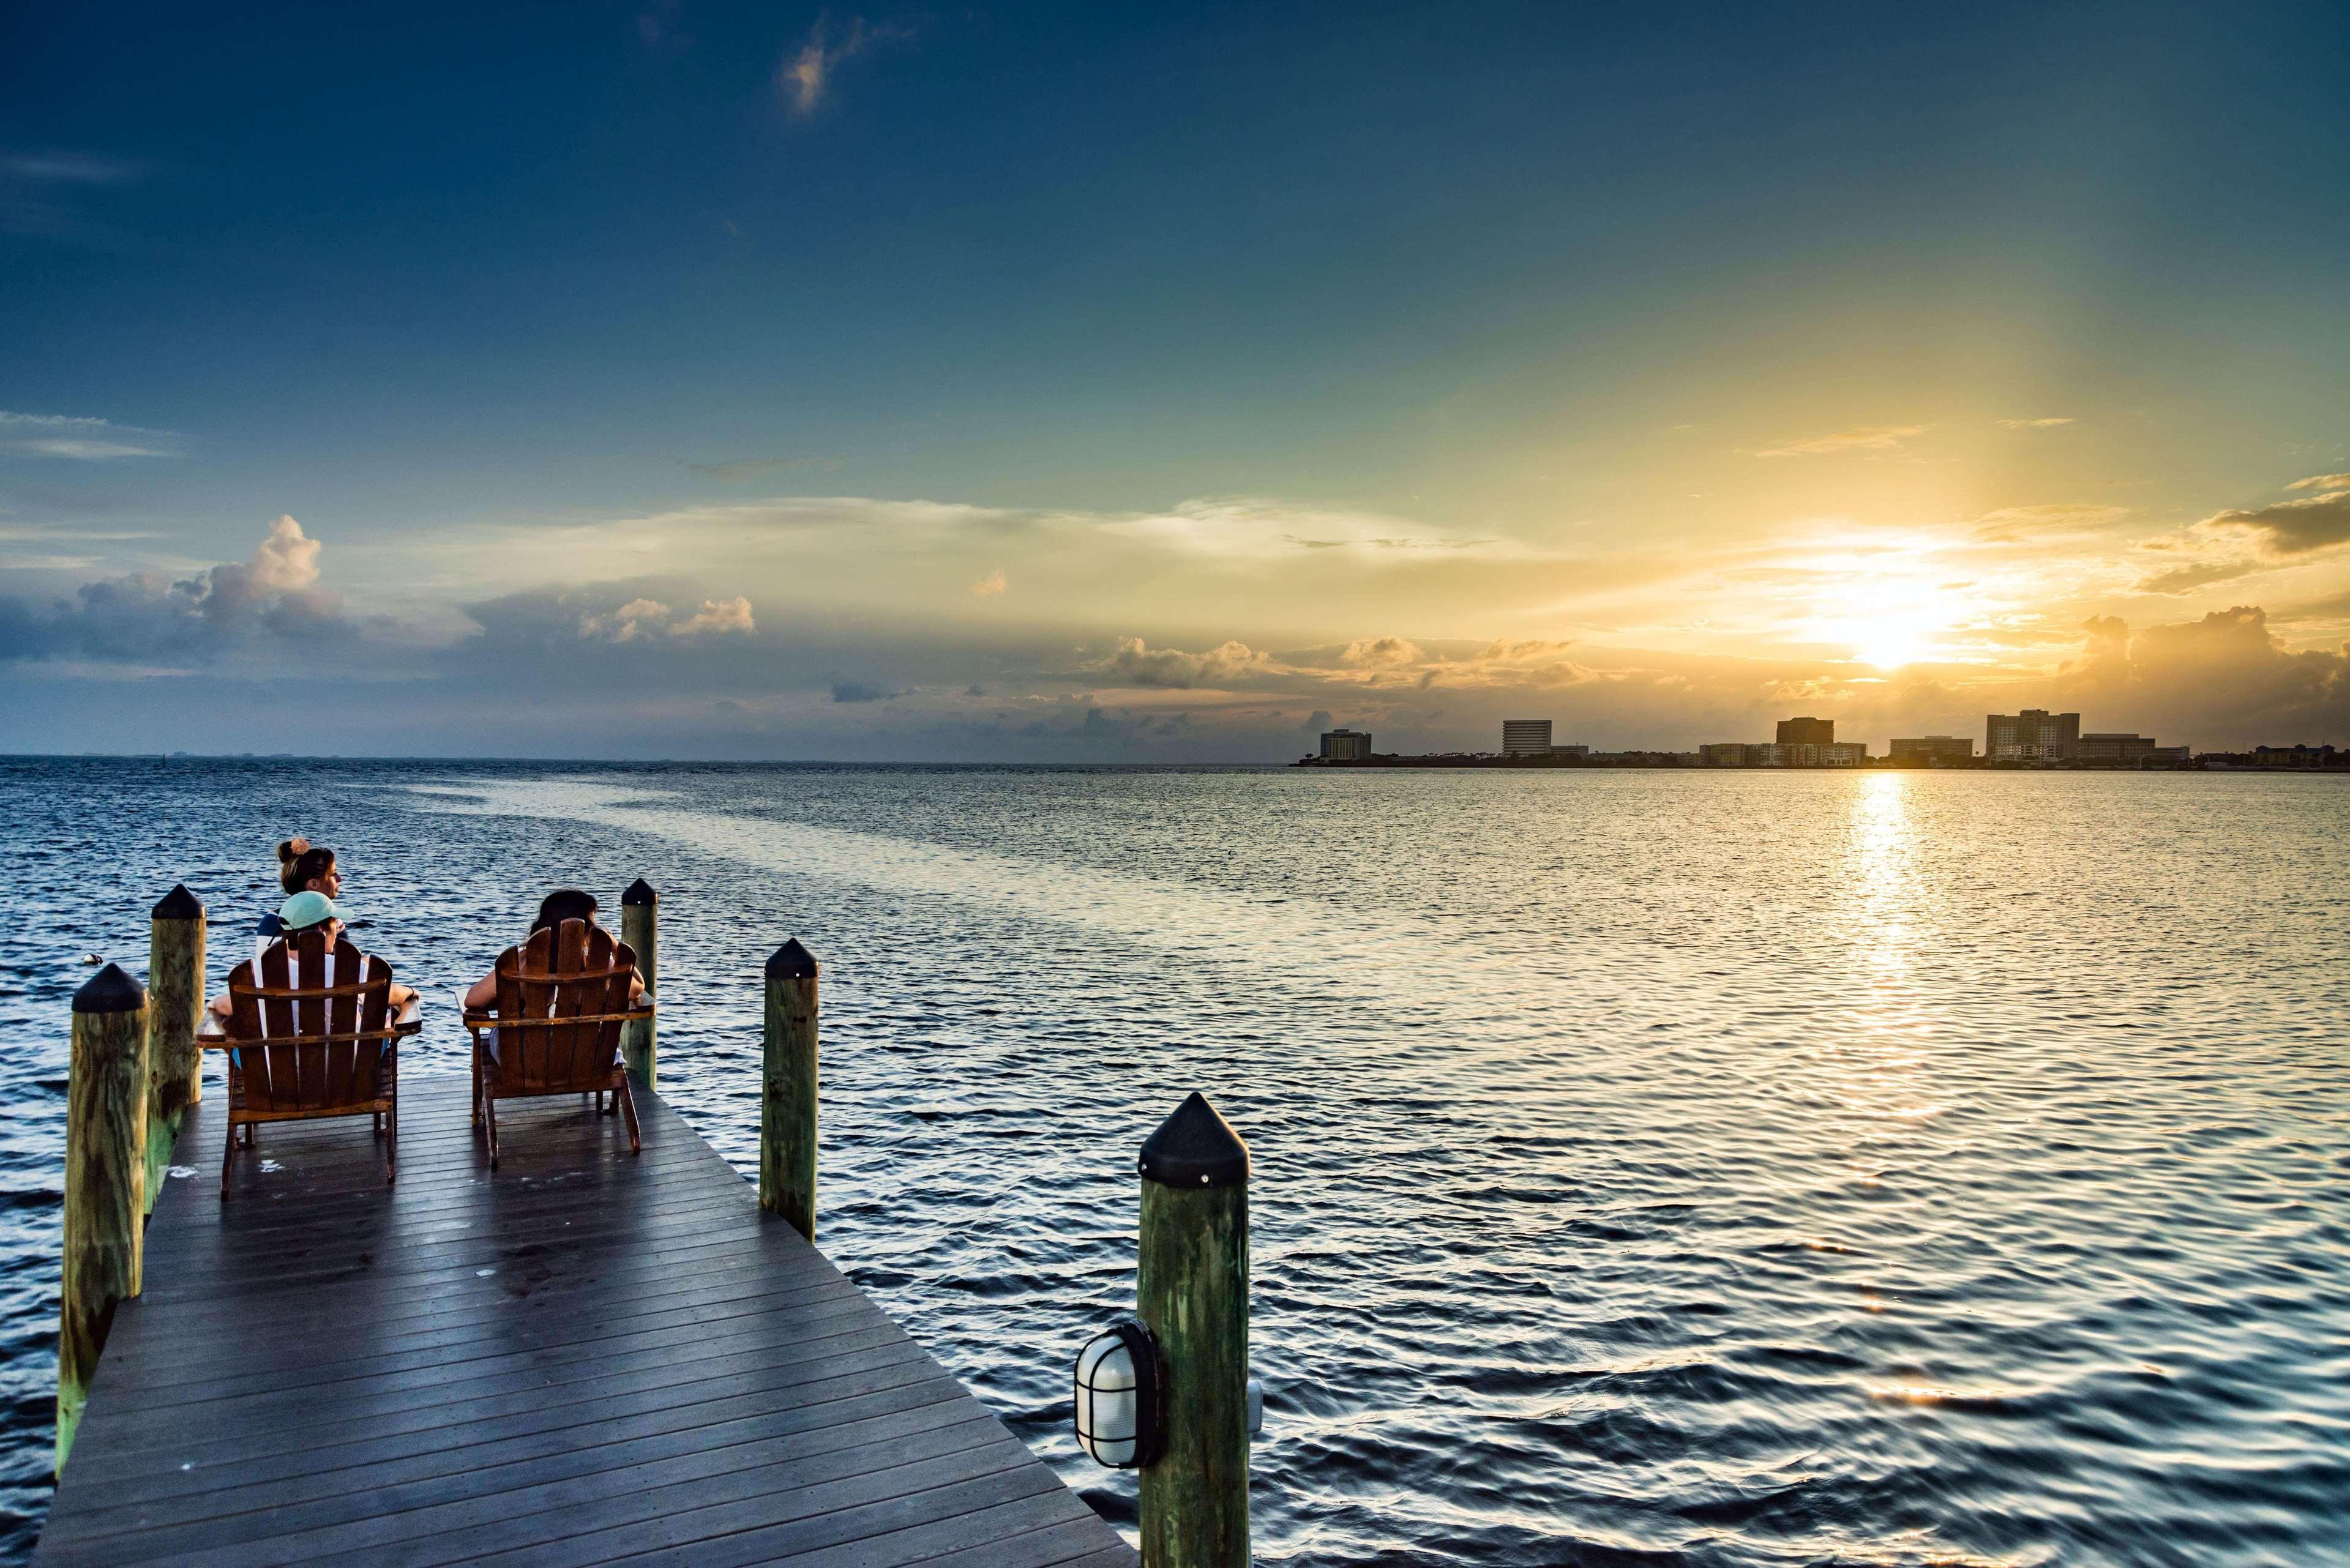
(583,1357)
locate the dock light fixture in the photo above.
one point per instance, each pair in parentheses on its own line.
(1117,1386)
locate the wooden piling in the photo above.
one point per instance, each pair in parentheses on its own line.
(640,929)
(787,1102)
(106,1181)
(175,1007)
(1193,1293)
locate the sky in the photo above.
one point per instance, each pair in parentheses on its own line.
(1098,383)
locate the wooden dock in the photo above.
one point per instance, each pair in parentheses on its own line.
(583,1357)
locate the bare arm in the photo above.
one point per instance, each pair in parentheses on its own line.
(483,994)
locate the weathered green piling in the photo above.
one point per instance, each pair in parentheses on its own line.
(175,1007)
(640,929)
(106,1181)
(788,1101)
(1193,1293)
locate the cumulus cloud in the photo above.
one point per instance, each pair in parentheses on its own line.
(993,583)
(1382,653)
(860,691)
(147,616)
(1864,437)
(1138,665)
(80,439)
(626,623)
(645,618)
(717,617)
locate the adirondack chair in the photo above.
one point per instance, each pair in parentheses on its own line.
(562,998)
(311,1034)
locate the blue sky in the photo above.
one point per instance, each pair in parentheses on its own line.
(1652,368)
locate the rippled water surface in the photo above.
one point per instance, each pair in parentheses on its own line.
(1742,1169)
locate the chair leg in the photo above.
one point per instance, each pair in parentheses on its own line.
(477,1082)
(391,1142)
(490,1122)
(629,1109)
(379,1123)
(228,1161)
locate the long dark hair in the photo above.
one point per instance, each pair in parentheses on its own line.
(299,863)
(564,904)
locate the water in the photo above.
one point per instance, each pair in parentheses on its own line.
(1731,1169)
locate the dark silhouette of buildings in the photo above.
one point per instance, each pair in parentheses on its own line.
(1932,750)
(2035,735)
(1345,745)
(1806,732)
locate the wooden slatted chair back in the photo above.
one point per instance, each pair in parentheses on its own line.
(299,1014)
(572,971)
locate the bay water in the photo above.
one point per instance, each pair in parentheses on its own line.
(1651,1167)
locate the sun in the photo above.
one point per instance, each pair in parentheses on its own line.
(1890,643)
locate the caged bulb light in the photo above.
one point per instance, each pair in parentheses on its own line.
(1117,1403)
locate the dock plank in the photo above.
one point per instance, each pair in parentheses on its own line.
(582,1357)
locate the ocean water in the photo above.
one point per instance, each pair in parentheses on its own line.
(1650,1167)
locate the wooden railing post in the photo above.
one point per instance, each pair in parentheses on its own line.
(640,929)
(788,1095)
(106,1181)
(175,1006)
(1193,1293)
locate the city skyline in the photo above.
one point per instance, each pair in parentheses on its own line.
(871,385)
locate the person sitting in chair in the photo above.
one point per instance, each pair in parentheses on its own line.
(563,904)
(302,912)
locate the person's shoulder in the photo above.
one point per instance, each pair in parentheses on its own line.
(269,925)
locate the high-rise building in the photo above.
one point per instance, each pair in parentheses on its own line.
(2035,735)
(1345,745)
(1934,748)
(1806,732)
(1525,737)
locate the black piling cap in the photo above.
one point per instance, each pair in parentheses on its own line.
(639,892)
(791,962)
(1195,1147)
(178,904)
(109,990)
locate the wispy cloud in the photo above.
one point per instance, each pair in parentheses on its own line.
(2322,481)
(993,583)
(2035,424)
(1864,438)
(805,76)
(80,439)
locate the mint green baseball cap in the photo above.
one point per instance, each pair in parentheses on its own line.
(305,910)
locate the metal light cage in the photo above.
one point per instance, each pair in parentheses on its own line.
(1117,1386)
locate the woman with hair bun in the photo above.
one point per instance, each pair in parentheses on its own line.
(301,868)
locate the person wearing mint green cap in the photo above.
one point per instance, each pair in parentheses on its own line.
(300,913)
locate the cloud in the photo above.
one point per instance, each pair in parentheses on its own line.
(1382,653)
(79,439)
(2291,527)
(626,623)
(644,617)
(859,691)
(71,168)
(717,617)
(2015,524)
(805,76)
(1138,665)
(147,616)
(2032,424)
(1865,438)
(993,583)
(2322,481)
(1248,528)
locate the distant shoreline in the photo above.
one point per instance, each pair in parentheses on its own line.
(1670,761)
